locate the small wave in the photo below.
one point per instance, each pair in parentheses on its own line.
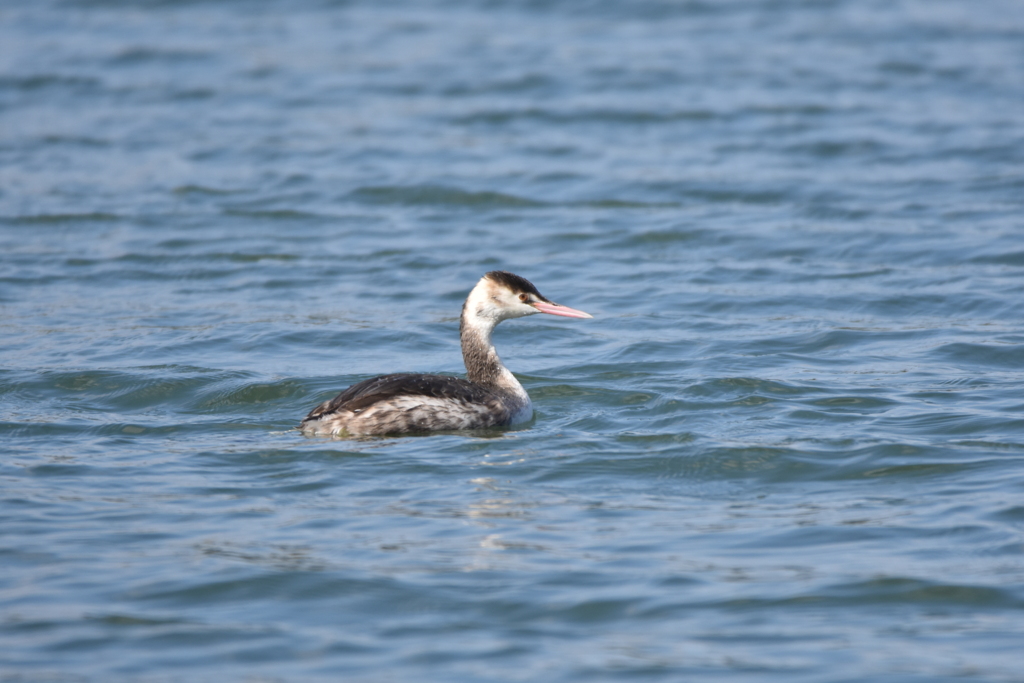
(429,195)
(203,190)
(58,218)
(248,395)
(162,390)
(275,214)
(41,81)
(141,54)
(1010,356)
(907,590)
(616,116)
(1012,258)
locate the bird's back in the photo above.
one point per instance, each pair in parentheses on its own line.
(404,403)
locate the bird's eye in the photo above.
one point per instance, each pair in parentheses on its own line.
(524,298)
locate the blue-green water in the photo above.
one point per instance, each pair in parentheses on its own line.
(789,447)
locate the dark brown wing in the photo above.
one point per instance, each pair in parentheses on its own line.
(366,393)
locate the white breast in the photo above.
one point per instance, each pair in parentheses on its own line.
(524,413)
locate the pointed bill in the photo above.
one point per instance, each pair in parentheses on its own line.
(556,309)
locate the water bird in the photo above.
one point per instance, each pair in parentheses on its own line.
(407,403)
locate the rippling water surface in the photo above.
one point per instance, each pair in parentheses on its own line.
(789,447)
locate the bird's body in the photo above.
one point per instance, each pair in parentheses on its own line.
(406,403)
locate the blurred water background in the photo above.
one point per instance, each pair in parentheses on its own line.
(789,447)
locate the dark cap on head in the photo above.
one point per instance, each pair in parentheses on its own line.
(517,284)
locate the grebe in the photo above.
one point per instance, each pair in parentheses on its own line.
(492,397)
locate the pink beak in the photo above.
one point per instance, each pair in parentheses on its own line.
(556,309)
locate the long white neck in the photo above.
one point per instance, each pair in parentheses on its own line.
(483,365)
(485,307)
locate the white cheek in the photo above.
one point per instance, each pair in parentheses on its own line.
(518,309)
